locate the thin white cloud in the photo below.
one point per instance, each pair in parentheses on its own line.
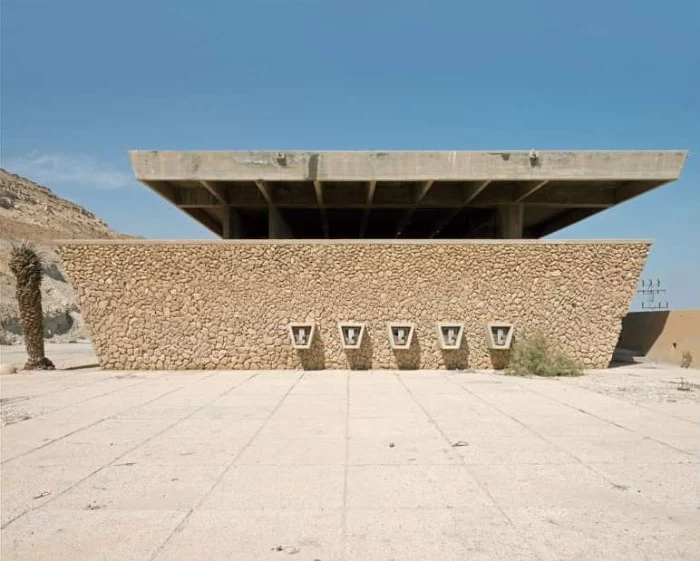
(69,169)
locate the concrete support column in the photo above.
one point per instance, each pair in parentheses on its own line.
(511,221)
(233,227)
(278,229)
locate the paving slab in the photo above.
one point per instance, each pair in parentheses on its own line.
(406,449)
(690,443)
(622,530)
(627,448)
(133,486)
(295,451)
(322,383)
(474,533)
(350,465)
(377,405)
(301,406)
(508,450)
(89,535)
(257,535)
(26,487)
(294,487)
(304,427)
(391,427)
(663,483)
(172,449)
(546,484)
(414,486)
(247,406)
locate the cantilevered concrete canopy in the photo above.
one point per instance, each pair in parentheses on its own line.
(521,194)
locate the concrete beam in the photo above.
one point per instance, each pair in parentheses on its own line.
(600,204)
(562,221)
(529,190)
(278,229)
(189,197)
(511,221)
(277,226)
(488,221)
(471,192)
(217,191)
(232,227)
(206,219)
(407,166)
(318,187)
(423,191)
(171,194)
(164,189)
(443,222)
(264,189)
(630,189)
(371,188)
(577,195)
(406,218)
(474,194)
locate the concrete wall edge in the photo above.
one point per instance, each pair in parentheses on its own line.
(438,242)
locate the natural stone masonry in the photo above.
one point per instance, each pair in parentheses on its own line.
(228,304)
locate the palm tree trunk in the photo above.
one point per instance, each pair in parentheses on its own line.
(26,265)
(31,318)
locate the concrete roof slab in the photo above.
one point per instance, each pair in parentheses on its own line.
(362,194)
(407,166)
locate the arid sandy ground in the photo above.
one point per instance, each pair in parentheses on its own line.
(349,465)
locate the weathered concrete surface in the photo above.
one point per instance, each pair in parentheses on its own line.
(406,166)
(449,194)
(228,305)
(350,465)
(663,335)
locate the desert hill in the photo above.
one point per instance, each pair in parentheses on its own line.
(32,212)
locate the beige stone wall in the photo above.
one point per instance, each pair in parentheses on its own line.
(173,305)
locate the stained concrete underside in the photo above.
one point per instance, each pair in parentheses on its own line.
(449,194)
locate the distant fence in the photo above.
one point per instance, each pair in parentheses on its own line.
(663,335)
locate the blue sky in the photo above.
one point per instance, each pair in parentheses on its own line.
(84,80)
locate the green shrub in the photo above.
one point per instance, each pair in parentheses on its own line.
(534,355)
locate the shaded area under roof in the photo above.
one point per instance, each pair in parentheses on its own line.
(449,194)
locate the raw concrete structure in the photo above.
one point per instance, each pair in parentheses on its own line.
(663,335)
(380,237)
(349,195)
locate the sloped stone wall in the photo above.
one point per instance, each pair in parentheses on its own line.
(227,305)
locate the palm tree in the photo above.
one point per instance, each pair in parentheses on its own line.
(27,266)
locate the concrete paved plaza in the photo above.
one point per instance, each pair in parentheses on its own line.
(350,465)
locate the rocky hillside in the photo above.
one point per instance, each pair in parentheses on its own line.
(32,212)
